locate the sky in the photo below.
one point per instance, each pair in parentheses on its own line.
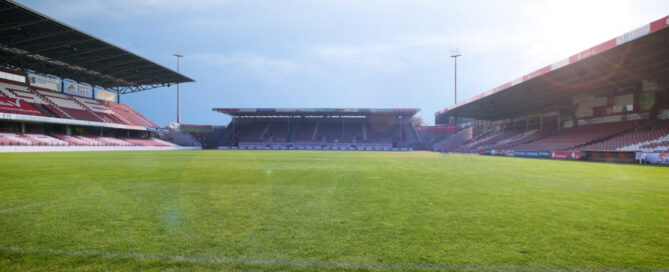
(348,54)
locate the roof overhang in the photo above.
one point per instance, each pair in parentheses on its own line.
(606,69)
(314,112)
(30,40)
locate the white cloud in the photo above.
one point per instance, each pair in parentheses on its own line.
(260,66)
(394,55)
(554,30)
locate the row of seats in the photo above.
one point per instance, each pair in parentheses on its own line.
(316,131)
(33,139)
(7,138)
(575,138)
(59,105)
(316,146)
(629,140)
(615,136)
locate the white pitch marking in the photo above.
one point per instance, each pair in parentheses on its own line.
(309,264)
(37,204)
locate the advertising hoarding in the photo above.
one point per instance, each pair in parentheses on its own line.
(105,95)
(74,88)
(44,82)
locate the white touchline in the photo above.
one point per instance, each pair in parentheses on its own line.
(308,264)
(37,204)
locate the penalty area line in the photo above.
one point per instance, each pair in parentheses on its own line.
(305,264)
(37,204)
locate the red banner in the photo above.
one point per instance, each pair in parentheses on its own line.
(437,129)
(18,106)
(566,155)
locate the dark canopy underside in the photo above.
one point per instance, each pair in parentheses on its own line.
(32,41)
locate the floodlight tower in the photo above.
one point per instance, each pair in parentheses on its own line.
(179,55)
(455,53)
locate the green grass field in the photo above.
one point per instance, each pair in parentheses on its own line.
(312,210)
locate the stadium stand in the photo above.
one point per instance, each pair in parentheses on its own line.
(338,129)
(60,105)
(579,136)
(52,97)
(454,141)
(31,139)
(653,139)
(306,131)
(599,114)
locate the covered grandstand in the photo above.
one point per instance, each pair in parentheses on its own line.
(609,101)
(319,129)
(61,87)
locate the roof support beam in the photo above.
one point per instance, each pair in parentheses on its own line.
(7,8)
(117,64)
(79,53)
(38,37)
(56,46)
(20,24)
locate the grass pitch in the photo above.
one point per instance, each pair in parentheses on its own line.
(311,210)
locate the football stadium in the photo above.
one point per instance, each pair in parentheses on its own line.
(562,169)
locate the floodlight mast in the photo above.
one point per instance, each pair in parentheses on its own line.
(455,53)
(179,55)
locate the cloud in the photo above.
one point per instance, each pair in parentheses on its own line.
(268,69)
(402,52)
(396,54)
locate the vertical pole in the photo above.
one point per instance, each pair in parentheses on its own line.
(455,53)
(455,82)
(455,86)
(178,93)
(541,122)
(559,124)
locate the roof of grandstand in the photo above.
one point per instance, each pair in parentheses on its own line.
(331,112)
(615,65)
(31,40)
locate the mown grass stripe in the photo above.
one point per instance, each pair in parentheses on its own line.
(42,203)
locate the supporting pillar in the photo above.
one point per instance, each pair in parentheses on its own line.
(559,124)
(364,130)
(541,122)
(313,135)
(23,127)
